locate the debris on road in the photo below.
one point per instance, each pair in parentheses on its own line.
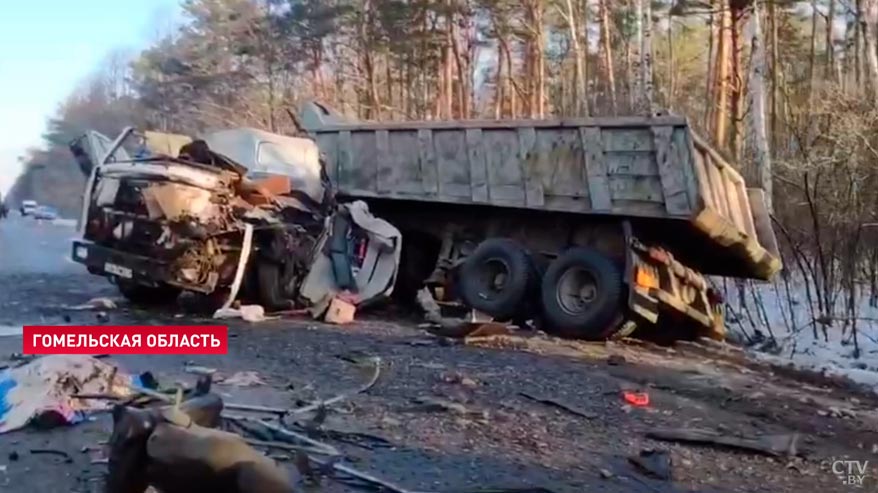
(341,311)
(560,405)
(248,313)
(616,360)
(172,447)
(199,370)
(654,463)
(243,379)
(43,390)
(456,328)
(60,453)
(95,304)
(773,445)
(636,399)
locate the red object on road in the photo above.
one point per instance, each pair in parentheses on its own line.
(638,399)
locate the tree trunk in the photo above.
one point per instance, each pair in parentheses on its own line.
(579,105)
(637,85)
(775,70)
(670,91)
(608,54)
(871,18)
(448,70)
(721,117)
(812,59)
(736,82)
(461,65)
(646,75)
(710,83)
(858,45)
(499,84)
(828,70)
(756,91)
(540,62)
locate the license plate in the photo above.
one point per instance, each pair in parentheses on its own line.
(118,270)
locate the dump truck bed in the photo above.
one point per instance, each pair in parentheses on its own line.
(653,170)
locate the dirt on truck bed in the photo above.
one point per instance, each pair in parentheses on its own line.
(509,412)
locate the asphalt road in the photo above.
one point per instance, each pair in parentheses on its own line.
(36,273)
(491,436)
(29,246)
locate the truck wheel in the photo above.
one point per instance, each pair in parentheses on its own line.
(496,278)
(148,295)
(582,293)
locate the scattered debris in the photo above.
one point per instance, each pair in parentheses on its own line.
(773,445)
(636,399)
(560,405)
(616,360)
(95,304)
(459,378)
(42,392)
(606,474)
(248,313)
(64,455)
(654,463)
(199,370)
(341,311)
(456,328)
(243,379)
(430,403)
(839,412)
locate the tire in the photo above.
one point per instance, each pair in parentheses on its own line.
(592,312)
(481,271)
(148,295)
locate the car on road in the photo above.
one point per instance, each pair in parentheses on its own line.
(45,212)
(28,207)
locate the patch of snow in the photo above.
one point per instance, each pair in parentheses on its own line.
(779,318)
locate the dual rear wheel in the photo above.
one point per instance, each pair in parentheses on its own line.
(580,295)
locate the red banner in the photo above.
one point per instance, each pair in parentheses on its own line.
(105,339)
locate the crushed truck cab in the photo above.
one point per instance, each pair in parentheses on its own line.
(167,213)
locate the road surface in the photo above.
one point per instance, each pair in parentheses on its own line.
(493,436)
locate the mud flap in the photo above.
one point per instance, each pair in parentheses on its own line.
(640,303)
(661,284)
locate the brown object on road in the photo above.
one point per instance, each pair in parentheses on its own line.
(774,445)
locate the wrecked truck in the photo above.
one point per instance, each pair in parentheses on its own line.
(238,213)
(596,227)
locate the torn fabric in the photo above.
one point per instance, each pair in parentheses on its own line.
(43,390)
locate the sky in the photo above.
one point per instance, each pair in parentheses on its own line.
(48,46)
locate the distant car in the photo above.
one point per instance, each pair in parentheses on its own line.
(45,212)
(28,207)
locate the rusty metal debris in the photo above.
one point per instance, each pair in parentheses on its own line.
(772,445)
(180,444)
(560,405)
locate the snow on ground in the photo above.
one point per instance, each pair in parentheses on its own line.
(780,324)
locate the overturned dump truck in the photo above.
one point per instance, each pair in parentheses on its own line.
(237,214)
(596,227)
